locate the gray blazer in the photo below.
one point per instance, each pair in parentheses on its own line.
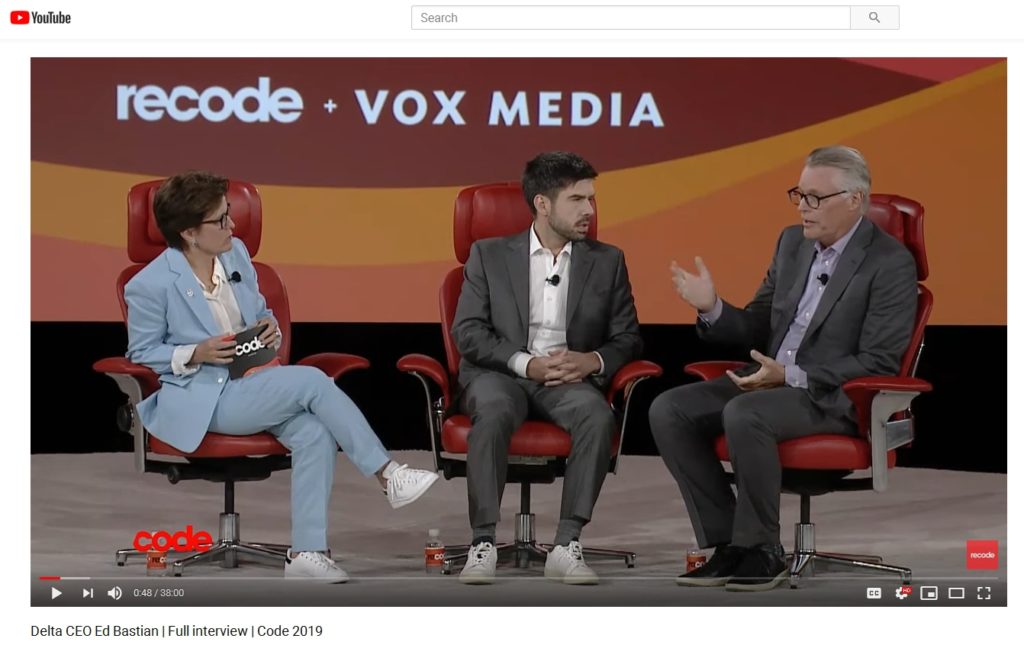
(492,319)
(863,322)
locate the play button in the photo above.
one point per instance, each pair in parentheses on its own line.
(54,592)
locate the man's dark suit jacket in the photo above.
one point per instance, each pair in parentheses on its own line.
(492,319)
(863,323)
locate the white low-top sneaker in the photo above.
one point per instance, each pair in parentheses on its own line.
(565,563)
(406,485)
(480,565)
(313,564)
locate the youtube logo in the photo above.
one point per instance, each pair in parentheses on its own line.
(40,18)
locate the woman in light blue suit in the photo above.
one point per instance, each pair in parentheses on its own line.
(182,313)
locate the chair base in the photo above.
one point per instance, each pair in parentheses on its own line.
(805,556)
(226,549)
(525,549)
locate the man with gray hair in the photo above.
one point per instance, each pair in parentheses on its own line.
(837,303)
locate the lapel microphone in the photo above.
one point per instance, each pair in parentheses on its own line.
(235,277)
(553,280)
(823,279)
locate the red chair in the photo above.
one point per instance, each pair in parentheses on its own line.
(219,458)
(820,464)
(538,450)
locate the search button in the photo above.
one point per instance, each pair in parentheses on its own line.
(883,17)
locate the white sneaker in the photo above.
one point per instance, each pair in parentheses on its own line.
(313,564)
(480,565)
(406,485)
(566,563)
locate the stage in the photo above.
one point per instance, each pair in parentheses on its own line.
(86,506)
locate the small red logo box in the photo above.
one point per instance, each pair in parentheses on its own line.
(982,554)
(19,18)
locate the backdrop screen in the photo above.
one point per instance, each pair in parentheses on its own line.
(358,162)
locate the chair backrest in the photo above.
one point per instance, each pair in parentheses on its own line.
(481,212)
(903,218)
(145,243)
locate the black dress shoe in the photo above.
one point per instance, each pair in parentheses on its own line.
(717,571)
(763,568)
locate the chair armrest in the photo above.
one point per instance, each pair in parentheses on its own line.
(629,374)
(334,365)
(876,399)
(135,381)
(426,369)
(862,390)
(424,365)
(708,370)
(148,380)
(625,381)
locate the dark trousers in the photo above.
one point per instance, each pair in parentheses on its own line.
(498,404)
(685,422)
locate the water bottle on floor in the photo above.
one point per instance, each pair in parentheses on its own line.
(695,559)
(433,553)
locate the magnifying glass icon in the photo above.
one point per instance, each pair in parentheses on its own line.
(874,17)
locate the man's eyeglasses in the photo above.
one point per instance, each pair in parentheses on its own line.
(813,201)
(221,221)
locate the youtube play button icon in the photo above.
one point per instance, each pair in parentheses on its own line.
(20,18)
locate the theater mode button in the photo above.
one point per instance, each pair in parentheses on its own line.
(20,18)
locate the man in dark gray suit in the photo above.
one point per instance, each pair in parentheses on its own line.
(545,318)
(838,303)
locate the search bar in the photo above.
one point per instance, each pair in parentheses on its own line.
(654,17)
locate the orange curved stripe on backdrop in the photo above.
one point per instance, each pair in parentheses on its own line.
(75,280)
(959,174)
(933,148)
(933,69)
(650,189)
(398,293)
(325,226)
(389,226)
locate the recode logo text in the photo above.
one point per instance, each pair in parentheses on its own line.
(983,554)
(186,540)
(183,103)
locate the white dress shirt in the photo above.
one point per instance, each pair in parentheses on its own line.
(547,304)
(225,312)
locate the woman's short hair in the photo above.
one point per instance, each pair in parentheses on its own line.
(184,200)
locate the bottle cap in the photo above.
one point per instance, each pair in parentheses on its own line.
(434,532)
